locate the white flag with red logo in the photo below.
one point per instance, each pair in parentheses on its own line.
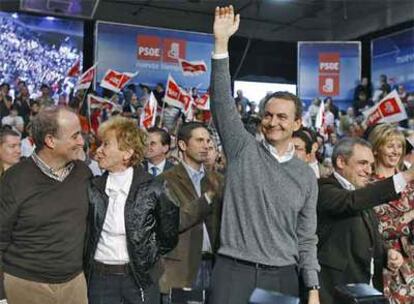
(320,117)
(203,102)
(192,68)
(149,114)
(101,103)
(116,81)
(74,69)
(85,80)
(176,96)
(389,109)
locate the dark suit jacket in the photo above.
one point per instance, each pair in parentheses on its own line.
(181,264)
(168,165)
(348,233)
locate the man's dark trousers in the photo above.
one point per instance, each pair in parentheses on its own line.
(233,281)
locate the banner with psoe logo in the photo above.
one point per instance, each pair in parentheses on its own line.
(329,69)
(155,53)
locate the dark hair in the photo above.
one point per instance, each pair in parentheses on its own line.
(345,148)
(313,136)
(286,96)
(165,137)
(46,123)
(186,130)
(7,131)
(5,84)
(301,134)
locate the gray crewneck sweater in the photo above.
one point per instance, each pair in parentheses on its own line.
(269,211)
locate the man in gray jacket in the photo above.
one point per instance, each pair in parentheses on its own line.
(268,231)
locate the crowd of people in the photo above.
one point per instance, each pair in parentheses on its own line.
(27,55)
(96,209)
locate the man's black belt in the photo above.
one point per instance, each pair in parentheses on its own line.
(105,269)
(207,256)
(256,265)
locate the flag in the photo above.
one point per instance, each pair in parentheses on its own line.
(100,102)
(176,96)
(389,109)
(320,119)
(75,69)
(203,102)
(149,114)
(116,81)
(85,80)
(192,68)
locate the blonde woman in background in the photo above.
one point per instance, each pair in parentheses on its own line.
(395,218)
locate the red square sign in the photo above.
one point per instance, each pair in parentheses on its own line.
(149,48)
(329,63)
(173,49)
(329,85)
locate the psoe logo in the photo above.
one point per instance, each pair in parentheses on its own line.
(329,63)
(173,49)
(149,48)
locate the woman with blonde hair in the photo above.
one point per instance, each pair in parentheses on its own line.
(395,218)
(132,220)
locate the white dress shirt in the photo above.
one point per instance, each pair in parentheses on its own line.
(160,167)
(112,245)
(280,158)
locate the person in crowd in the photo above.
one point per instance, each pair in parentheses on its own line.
(213,155)
(384,86)
(241,101)
(132,108)
(6,100)
(329,103)
(159,142)
(350,248)
(132,220)
(159,94)
(314,110)
(329,118)
(10,151)
(43,210)
(27,143)
(13,120)
(303,145)
(361,103)
(315,160)
(199,194)
(329,146)
(23,103)
(396,217)
(268,229)
(346,121)
(365,86)
(45,100)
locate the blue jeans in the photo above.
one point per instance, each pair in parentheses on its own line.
(119,289)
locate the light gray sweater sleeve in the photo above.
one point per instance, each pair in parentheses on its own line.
(307,238)
(226,118)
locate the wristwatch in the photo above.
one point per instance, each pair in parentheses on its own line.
(314,287)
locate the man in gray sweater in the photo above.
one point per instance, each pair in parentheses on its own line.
(268,232)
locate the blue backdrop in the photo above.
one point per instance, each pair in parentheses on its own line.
(128,48)
(348,74)
(393,55)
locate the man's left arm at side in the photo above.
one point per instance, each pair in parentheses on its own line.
(307,242)
(8,214)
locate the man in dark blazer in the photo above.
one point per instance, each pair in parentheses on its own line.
(199,193)
(159,142)
(350,246)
